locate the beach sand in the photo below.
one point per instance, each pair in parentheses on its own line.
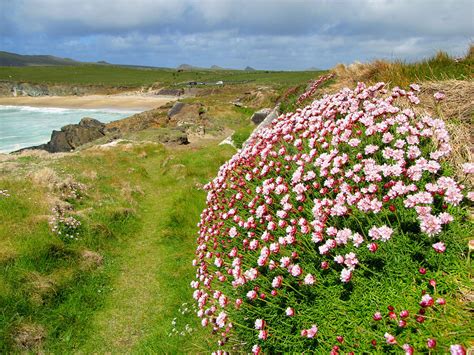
(118,102)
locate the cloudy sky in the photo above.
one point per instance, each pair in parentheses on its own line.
(265,34)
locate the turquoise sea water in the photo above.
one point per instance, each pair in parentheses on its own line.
(25,126)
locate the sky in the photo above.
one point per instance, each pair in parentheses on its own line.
(264,34)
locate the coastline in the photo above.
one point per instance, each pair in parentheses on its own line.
(110,102)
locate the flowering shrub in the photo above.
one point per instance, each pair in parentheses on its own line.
(314,86)
(332,230)
(65,226)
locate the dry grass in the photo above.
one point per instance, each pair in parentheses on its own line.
(29,337)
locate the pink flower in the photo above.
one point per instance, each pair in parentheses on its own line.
(404,314)
(346,275)
(457,349)
(295,270)
(468,168)
(390,339)
(408,349)
(256,349)
(441,301)
(439,247)
(431,343)
(384,233)
(263,334)
(377,316)
(259,324)
(252,295)
(415,87)
(277,281)
(439,96)
(372,247)
(311,332)
(426,301)
(309,279)
(290,312)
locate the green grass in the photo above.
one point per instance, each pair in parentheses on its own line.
(115,76)
(139,213)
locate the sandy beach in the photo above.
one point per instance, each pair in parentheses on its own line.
(118,102)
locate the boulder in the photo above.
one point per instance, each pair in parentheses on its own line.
(259,116)
(73,136)
(184,113)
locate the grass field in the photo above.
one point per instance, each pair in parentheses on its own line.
(139,213)
(115,76)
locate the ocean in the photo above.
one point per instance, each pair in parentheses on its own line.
(25,126)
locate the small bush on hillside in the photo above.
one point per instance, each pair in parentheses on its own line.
(339,228)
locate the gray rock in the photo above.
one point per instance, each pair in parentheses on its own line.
(73,136)
(171,92)
(266,122)
(177,107)
(259,116)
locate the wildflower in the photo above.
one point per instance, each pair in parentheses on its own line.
(415,87)
(383,233)
(408,349)
(311,332)
(457,349)
(295,270)
(259,324)
(439,96)
(404,314)
(377,316)
(263,334)
(390,339)
(468,168)
(346,275)
(290,312)
(252,295)
(256,349)
(422,270)
(439,247)
(372,247)
(309,279)
(431,343)
(277,281)
(426,301)
(441,301)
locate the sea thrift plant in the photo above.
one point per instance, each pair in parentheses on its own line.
(337,222)
(313,87)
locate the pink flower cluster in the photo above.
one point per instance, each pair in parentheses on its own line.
(314,86)
(354,154)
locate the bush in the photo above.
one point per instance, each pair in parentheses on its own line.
(337,229)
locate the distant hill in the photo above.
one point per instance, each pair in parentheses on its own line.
(192,67)
(186,67)
(247,68)
(8,59)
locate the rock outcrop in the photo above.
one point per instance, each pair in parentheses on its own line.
(185,114)
(259,116)
(72,136)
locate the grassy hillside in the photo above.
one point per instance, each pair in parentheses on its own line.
(120,284)
(131,77)
(18,60)
(123,284)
